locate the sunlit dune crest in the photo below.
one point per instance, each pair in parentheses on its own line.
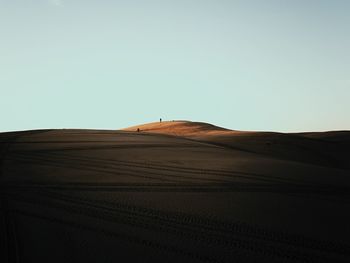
(321,148)
(181,128)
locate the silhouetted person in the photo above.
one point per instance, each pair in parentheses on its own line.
(138,130)
(160,120)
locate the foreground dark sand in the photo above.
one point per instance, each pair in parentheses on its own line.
(174,192)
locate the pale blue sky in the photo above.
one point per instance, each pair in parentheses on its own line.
(248,65)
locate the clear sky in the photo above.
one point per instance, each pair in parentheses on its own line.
(250,65)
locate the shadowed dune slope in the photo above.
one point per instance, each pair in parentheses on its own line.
(108,196)
(331,136)
(330,149)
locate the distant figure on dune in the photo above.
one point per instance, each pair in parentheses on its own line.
(160,120)
(138,130)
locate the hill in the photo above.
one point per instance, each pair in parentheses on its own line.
(326,149)
(174,192)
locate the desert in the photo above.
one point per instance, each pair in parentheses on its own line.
(174,191)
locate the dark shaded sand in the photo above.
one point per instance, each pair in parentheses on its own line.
(174,192)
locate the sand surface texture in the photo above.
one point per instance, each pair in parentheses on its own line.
(174,192)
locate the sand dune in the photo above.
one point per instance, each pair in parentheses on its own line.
(326,149)
(332,136)
(181,128)
(174,192)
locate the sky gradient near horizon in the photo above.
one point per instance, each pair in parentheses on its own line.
(278,65)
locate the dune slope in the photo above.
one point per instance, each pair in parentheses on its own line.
(106,196)
(325,149)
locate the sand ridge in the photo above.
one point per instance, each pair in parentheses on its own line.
(321,148)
